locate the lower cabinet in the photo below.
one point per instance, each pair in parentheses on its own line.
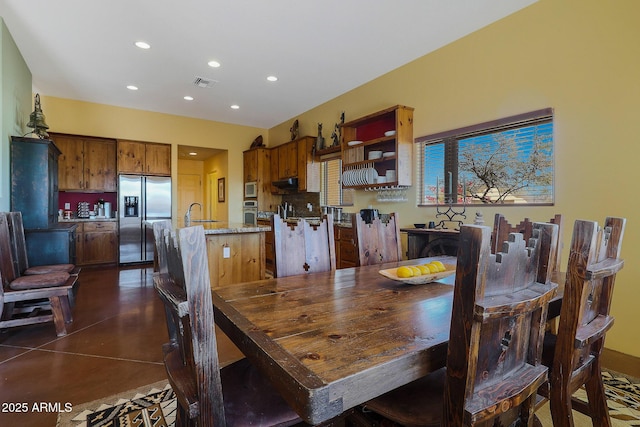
(270,265)
(54,245)
(97,243)
(346,246)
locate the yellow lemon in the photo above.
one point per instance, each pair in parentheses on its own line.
(404,272)
(424,269)
(416,270)
(440,265)
(432,268)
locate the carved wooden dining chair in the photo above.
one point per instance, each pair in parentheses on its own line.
(493,366)
(301,248)
(21,260)
(502,229)
(573,355)
(378,242)
(19,251)
(207,394)
(160,263)
(20,295)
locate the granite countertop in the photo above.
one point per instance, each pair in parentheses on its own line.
(87,219)
(223,227)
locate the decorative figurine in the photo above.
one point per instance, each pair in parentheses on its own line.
(336,136)
(36,120)
(320,138)
(258,142)
(294,130)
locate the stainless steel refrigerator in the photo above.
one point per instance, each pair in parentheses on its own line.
(141,201)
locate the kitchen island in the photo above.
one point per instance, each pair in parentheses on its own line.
(236,252)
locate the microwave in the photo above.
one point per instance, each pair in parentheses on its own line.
(250,189)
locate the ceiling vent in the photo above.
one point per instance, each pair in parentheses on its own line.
(204,82)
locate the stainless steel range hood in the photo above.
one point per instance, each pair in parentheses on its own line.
(286,184)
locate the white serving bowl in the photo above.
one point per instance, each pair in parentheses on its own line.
(375,155)
(390,133)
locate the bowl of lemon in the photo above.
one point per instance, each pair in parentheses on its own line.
(420,273)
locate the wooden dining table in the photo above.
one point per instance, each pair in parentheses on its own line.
(333,340)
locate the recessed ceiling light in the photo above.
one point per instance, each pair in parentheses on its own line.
(132,87)
(214,64)
(235,107)
(272,78)
(143,45)
(193,153)
(188,98)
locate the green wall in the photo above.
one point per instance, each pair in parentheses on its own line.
(15,104)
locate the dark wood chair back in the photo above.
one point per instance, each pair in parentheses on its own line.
(302,248)
(53,287)
(160,255)
(502,229)
(378,242)
(191,357)
(594,261)
(500,304)
(19,251)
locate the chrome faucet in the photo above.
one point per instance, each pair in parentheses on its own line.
(187,216)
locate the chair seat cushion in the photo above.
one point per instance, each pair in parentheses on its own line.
(54,268)
(38,281)
(419,403)
(251,400)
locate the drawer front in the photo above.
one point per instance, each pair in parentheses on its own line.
(100,226)
(80,227)
(345,233)
(348,251)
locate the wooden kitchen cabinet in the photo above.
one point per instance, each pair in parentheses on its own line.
(96,243)
(34,181)
(146,158)
(295,159)
(250,164)
(269,252)
(257,168)
(308,167)
(370,132)
(288,160)
(86,163)
(346,246)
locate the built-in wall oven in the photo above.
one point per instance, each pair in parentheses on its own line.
(250,212)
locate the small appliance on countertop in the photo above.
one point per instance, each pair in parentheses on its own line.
(368,215)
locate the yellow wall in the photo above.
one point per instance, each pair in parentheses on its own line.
(83,118)
(579,57)
(218,166)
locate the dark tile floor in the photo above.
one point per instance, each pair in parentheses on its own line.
(113,345)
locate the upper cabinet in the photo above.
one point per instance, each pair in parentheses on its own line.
(257,168)
(146,158)
(376,149)
(34,180)
(86,163)
(295,159)
(287,160)
(308,167)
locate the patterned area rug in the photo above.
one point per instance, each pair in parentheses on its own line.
(155,406)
